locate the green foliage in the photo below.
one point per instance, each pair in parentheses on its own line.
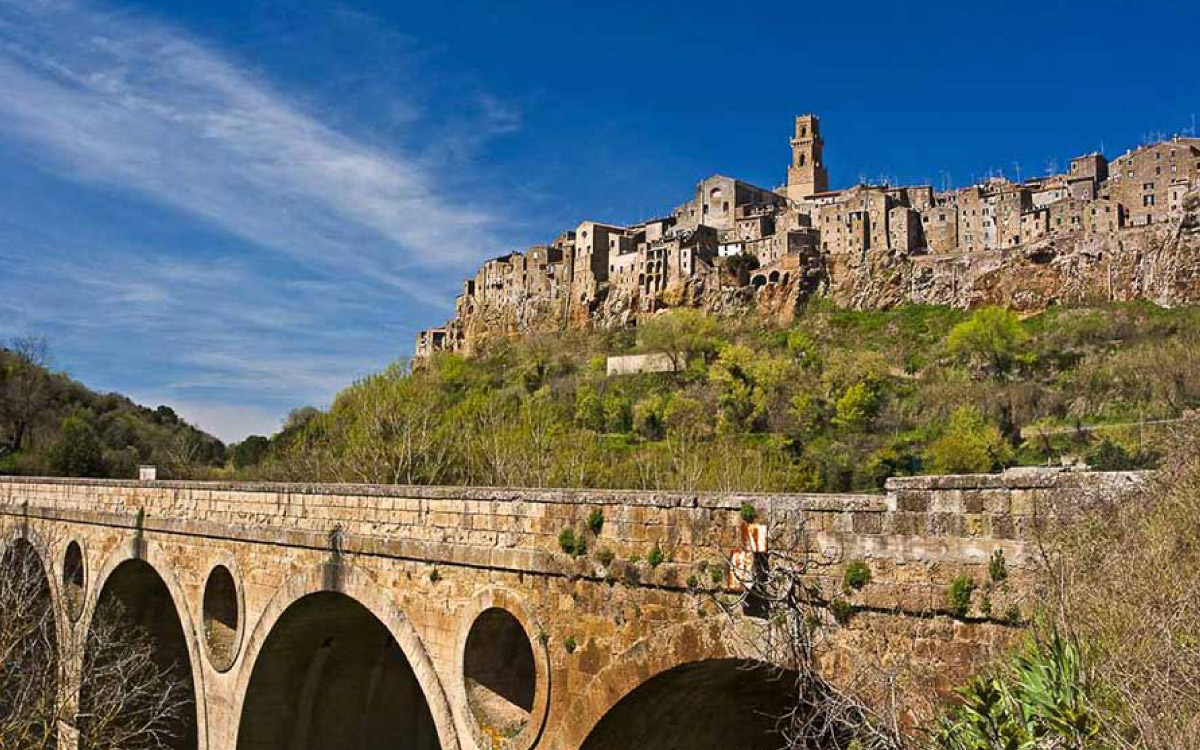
(595,521)
(1109,455)
(841,610)
(605,556)
(997,567)
(969,445)
(958,596)
(655,556)
(435,575)
(693,581)
(567,541)
(857,575)
(250,452)
(77,452)
(570,645)
(841,401)
(992,339)
(1040,698)
(748,512)
(856,408)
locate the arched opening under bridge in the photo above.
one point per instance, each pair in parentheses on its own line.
(330,676)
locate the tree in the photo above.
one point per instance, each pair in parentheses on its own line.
(134,702)
(681,335)
(24,388)
(991,338)
(857,406)
(77,452)
(251,451)
(969,445)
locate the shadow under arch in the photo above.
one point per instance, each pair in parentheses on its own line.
(708,640)
(146,602)
(25,536)
(139,569)
(325,647)
(713,704)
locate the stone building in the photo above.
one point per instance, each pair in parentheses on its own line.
(1141,181)
(805,224)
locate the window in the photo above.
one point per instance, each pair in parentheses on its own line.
(1147,200)
(1147,186)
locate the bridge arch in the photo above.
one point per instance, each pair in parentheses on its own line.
(349,600)
(140,575)
(23,536)
(502,664)
(33,661)
(689,652)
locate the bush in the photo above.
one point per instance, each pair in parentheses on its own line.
(856,576)
(841,610)
(567,541)
(570,645)
(748,513)
(857,407)
(958,597)
(969,445)
(595,521)
(605,556)
(655,557)
(997,567)
(992,339)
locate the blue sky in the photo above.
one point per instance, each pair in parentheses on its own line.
(238,208)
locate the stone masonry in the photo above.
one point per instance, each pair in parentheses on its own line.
(1099,232)
(282,597)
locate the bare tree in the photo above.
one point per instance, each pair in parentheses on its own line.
(132,701)
(24,387)
(789,621)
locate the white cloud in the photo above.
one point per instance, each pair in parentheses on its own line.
(119,100)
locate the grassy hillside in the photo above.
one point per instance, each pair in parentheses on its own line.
(838,401)
(53,425)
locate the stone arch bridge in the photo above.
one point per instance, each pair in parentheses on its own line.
(328,617)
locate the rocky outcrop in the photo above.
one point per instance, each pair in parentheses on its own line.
(1159,263)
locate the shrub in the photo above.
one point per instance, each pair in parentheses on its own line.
(605,556)
(958,597)
(595,521)
(716,574)
(435,576)
(969,445)
(569,644)
(655,557)
(841,610)
(991,338)
(857,407)
(692,581)
(567,541)
(749,513)
(997,567)
(856,576)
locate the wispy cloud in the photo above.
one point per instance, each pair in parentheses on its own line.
(121,100)
(319,250)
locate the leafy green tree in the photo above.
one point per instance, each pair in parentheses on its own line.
(969,445)
(682,335)
(589,409)
(618,413)
(77,452)
(857,407)
(992,338)
(251,451)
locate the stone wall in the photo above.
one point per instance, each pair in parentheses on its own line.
(429,562)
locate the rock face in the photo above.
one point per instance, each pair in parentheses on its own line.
(1159,263)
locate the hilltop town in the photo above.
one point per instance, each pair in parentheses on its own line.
(1103,230)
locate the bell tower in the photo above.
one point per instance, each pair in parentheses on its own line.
(806,175)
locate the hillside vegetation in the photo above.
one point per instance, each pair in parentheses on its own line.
(838,401)
(52,425)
